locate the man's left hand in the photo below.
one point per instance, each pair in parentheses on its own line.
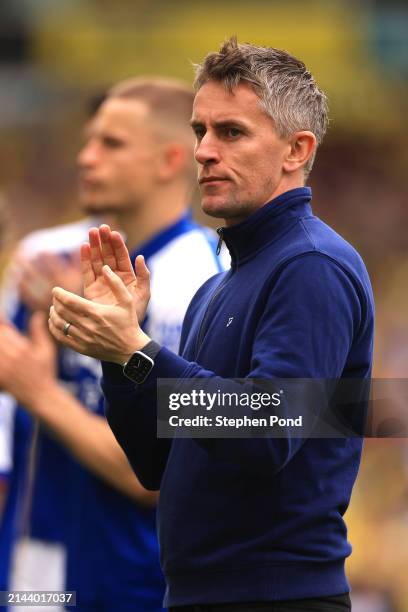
(109,332)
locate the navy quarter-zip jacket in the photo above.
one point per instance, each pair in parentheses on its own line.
(257,519)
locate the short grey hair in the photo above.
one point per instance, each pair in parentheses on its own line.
(287,91)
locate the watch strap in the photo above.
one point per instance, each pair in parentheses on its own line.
(151,349)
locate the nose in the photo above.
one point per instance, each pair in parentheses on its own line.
(207,151)
(88,155)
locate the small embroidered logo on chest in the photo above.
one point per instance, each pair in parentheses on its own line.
(230,320)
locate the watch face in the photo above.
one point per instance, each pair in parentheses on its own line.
(136,362)
(138,367)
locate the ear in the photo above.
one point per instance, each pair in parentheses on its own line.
(302,146)
(174,158)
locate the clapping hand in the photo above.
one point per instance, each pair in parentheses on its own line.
(105,323)
(106,247)
(36,276)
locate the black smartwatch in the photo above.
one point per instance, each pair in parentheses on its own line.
(141,363)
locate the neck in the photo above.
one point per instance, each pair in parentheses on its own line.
(288,182)
(152,216)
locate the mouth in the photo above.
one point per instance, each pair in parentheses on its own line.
(88,182)
(211,180)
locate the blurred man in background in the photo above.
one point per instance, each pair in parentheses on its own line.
(137,165)
(38,561)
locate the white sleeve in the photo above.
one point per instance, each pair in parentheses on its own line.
(7,407)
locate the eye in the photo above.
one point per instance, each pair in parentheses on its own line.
(111,142)
(233,132)
(199,132)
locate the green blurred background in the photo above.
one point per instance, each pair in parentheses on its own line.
(54,53)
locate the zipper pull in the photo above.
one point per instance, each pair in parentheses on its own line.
(219,245)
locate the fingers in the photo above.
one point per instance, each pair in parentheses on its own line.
(34,285)
(42,342)
(37,328)
(88,274)
(37,296)
(142,271)
(28,270)
(43,272)
(111,249)
(69,341)
(117,286)
(74,304)
(52,266)
(37,277)
(61,316)
(74,331)
(96,251)
(11,340)
(123,262)
(142,274)
(74,309)
(12,346)
(70,308)
(108,254)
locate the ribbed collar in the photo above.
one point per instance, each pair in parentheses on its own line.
(266,224)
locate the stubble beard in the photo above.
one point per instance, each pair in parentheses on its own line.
(229,210)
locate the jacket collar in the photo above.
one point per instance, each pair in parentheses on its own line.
(266,224)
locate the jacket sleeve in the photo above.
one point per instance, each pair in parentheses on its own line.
(314,313)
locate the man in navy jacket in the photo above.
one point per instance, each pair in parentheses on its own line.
(247,523)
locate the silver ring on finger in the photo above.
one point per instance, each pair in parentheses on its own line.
(65,329)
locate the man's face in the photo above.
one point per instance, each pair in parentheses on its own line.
(118,168)
(239,154)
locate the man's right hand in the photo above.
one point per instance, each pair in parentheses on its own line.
(108,247)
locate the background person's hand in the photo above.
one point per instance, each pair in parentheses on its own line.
(107,247)
(26,362)
(38,275)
